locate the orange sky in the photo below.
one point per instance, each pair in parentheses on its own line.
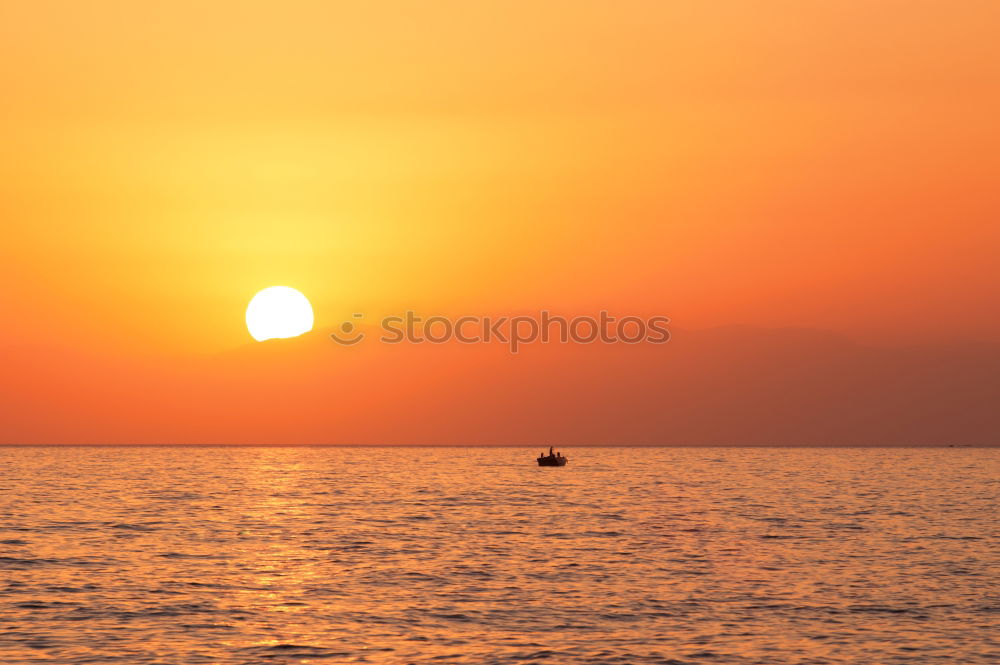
(828,165)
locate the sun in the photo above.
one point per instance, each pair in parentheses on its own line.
(278,312)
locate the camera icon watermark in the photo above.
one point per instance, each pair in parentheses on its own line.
(513,331)
(348,335)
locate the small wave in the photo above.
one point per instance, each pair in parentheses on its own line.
(294,650)
(134,527)
(15,562)
(880,608)
(454,617)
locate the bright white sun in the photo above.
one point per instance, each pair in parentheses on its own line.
(278,311)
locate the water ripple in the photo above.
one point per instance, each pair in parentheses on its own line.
(660,556)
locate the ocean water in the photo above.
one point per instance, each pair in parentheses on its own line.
(443,555)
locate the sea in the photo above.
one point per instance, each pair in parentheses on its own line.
(247,555)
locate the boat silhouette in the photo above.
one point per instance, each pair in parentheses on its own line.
(552,459)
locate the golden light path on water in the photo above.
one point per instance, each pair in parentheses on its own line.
(381,555)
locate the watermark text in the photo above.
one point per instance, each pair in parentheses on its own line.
(513,331)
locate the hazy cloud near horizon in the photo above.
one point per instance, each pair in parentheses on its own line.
(731,386)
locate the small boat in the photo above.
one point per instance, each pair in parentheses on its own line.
(552,459)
